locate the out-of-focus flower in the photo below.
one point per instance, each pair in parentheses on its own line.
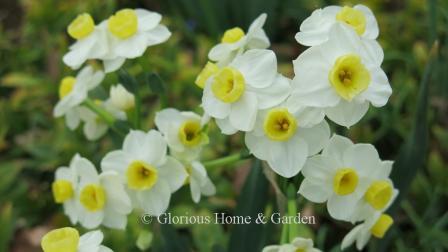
(91,41)
(64,189)
(67,239)
(285,138)
(235,41)
(315,29)
(94,126)
(101,199)
(236,92)
(130,32)
(345,79)
(121,98)
(299,244)
(183,132)
(198,180)
(341,176)
(149,174)
(73,91)
(377,225)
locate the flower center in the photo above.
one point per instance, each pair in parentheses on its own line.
(354,18)
(232,35)
(141,176)
(209,70)
(279,125)
(379,194)
(228,85)
(92,197)
(63,239)
(66,86)
(190,133)
(381,226)
(349,77)
(62,190)
(123,24)
(345,181)
(81,27)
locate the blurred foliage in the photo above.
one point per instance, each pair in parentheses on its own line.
(33,144)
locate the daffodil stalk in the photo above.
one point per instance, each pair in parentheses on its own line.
(104,115)
(292,211)
(227,160)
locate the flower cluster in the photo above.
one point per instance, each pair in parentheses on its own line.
(284,121)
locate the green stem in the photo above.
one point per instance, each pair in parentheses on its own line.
(285,234)
(227,160)
(103,114)
(292,211)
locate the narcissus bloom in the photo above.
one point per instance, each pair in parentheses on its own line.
(341,176)
(285,138)
(235,41)
(130,32)
(73,91)
(340,77)
(236,92)
(67,239)
(299,244)
(149,174)
(64,189)
(198,180)
(377,225)
(94,126)
(315,29)
(101,199)
(183,132)
(120,98)
(91,41)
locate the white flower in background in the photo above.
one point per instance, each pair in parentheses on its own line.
(316,28)
(94,126)
(377,225)
(339,77)
(64,189)
(236,92)
(149,174)
(285,138)
(198,180)
(183,132)
(67,239)
(121,98)
(342,175)
(91,41)
(235,41)
(73,91)
(130,32)
(299,244)
(101,199)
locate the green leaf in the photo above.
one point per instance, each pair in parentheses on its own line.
(251,202)
(167,240)
(156,84)
(7,221)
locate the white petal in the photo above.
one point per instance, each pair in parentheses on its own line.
(155,201)
(219,52)
(308,116)
(244,112)
(117,198)
(363,157)
(173,172)
(274,94)
(115,220)
(314,192)
(147,20)
(90,240)
(319,168)
(258,66)
(372,30)
(70,209)
(347,113)
(86,171)
(336,148)
(157,35)
(132,47)
(149,147)
(350,238)
(212,105)
(259,146)
(342,40)
(341,207)
(116,161)
(93,130)
(379,90)
(111,65)
(373,51)
(195,190)
(89,219)
(166,117)
(316,137)
(225,126)
(72,119)
(288,158)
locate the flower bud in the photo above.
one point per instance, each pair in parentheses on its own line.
(121,98)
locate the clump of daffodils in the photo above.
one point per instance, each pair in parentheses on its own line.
(283,119)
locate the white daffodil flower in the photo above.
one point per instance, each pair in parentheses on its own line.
(377,225)
(73,91)
(183,132)
(316,28)
(91,41)
(64,189)
(130,32)
(95,127)
(198,180)
(120,98)
(101,199)
(285,138)
(235,42)
(149,174)
(342,175)
(67,239)
(236,92)
(345,79)
(298,244)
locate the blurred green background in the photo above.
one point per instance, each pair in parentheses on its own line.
(411,128)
